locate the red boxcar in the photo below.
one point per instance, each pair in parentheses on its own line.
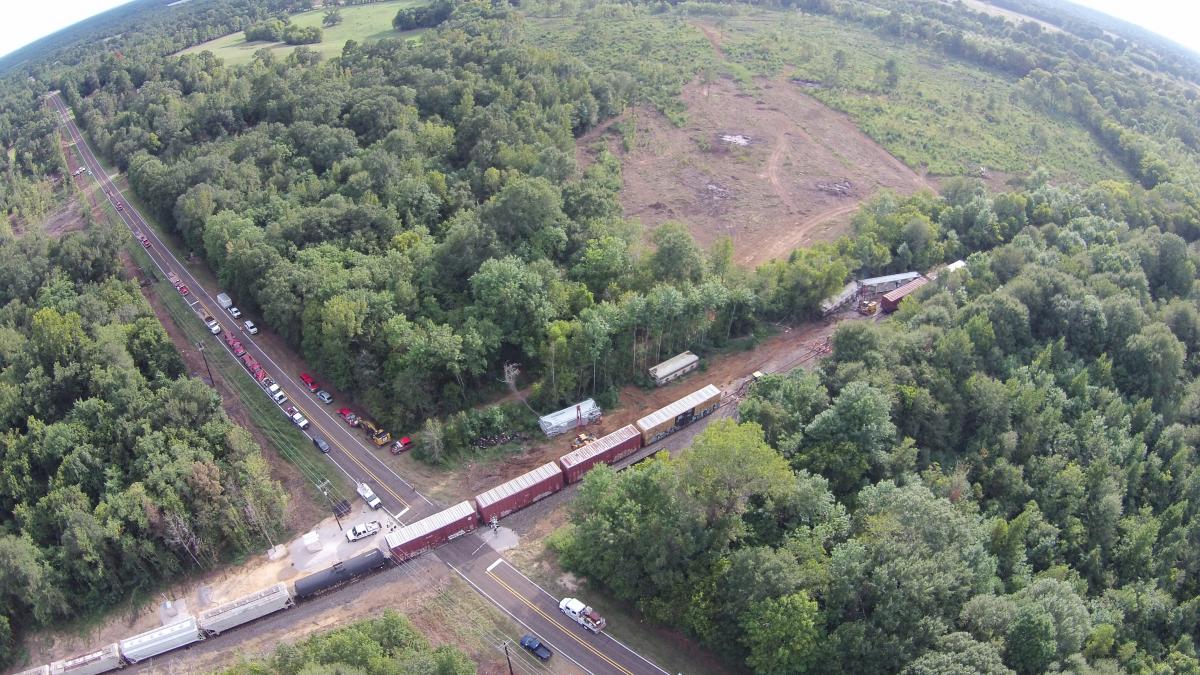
(520,492)
(891,300)
(608,449)
(413,540)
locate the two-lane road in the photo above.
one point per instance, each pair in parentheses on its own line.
(350,451)
(489,574)
(537,610)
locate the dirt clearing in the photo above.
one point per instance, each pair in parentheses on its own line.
(792,347)
(774,170)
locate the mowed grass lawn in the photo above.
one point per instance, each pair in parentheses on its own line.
(364,23)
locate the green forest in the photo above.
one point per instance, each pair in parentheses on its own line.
(117,472)
(996,479)
(389,645)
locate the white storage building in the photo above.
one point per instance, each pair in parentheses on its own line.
(568,418)
(246,609)
(889,282)
(674,368)
(100,661)
(161,640)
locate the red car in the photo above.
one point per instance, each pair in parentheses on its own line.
(402,445)
(349,416)
(183,289)
(145,241)
(309,382)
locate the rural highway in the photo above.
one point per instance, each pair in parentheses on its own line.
(537,610)
(350,452)
(470,557)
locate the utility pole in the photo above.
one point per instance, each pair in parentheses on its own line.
(507,658)
(211,381)
(323,486)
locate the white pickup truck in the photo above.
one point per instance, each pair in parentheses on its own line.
(213,326)
(368,495)
(582,614)
(363,530)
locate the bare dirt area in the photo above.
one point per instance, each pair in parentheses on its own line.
(790,348)
(774,169)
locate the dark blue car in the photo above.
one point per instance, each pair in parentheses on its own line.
(536,647)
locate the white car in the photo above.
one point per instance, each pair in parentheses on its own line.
(363,530)
(234,312)
(250,327)
(300,420)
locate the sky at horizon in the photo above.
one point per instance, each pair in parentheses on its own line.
(29,22)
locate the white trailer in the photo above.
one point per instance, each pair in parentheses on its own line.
(161,640)
(100,661)
(246,609)
(891,282)
(674,368)
(584,412)
(224,300)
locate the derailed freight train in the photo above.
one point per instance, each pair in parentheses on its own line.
(408,542)
(502,500)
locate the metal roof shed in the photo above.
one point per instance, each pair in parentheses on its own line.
(568,418)
(887,283)
(675,367)
(161,640)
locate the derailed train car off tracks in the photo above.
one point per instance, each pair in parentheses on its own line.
(406,543)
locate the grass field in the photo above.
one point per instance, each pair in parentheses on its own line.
(943,115)
(364,23)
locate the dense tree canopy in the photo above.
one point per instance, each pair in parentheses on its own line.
(116,472)
(998,479)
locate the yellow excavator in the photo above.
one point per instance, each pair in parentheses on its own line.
(379,436)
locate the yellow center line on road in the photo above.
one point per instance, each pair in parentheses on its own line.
(386,488)
(168,258)
(551,619)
